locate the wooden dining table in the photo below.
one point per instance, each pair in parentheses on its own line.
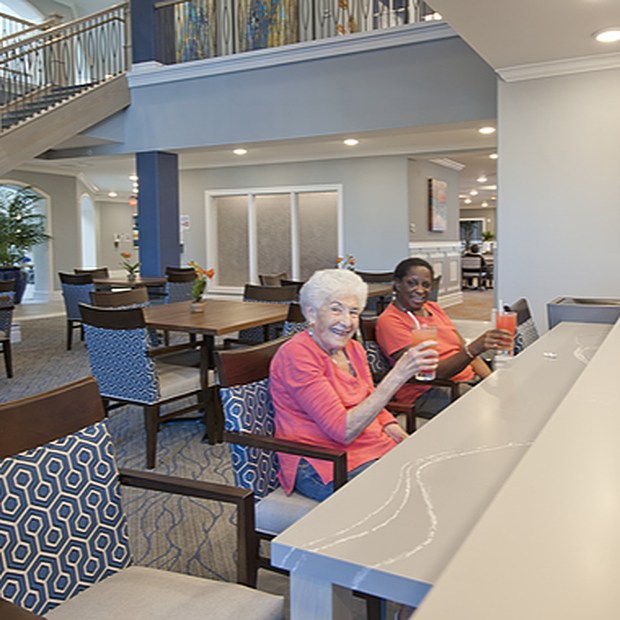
(124,282)
(219,317)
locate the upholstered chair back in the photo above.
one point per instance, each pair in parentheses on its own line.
(265,294)
(76,289)
(248,409)
(526,332)
(118,349)
(62,528)
(179,285)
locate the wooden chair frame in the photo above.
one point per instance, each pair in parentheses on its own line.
(368,328)
(242,366)
(40,419)
(114,299)
(7,286)
(133,318)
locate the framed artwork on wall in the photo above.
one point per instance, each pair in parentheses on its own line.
(437,205)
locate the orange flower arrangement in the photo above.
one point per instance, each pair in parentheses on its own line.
(348,262)
(131,268)
(202,275)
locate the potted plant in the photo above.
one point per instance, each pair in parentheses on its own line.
(487,241)
(200,283)
(21,228)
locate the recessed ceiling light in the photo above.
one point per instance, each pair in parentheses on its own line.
(484,204)
(486,130)
(240,152)
(133,177)
(493,156)
(608,35)
(467,201)
(482,179)
(473,192)
(351,142)
(112,194)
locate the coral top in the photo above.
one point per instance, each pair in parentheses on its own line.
(311,397)
(394,333)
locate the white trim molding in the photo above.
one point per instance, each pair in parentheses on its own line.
(553,68)
(153,73)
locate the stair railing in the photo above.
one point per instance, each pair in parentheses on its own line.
(38,72)
(13,29)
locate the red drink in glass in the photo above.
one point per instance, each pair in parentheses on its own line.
(507,321)
(419,335)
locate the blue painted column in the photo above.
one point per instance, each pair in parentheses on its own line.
(152,32)
(158,211)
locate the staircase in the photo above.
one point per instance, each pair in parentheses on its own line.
(59,83)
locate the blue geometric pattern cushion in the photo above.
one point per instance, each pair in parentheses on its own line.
(6,312)
(293,327)
(119,362)
(525,335)
(75,294)
(61,523)
(178,291)
(248,408)
(378,363)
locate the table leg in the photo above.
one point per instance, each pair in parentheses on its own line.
(313,598)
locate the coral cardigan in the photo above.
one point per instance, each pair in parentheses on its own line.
(311,397)
(394,333)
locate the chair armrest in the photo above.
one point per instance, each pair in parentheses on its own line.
(9,611)
(337,457)
(243,499)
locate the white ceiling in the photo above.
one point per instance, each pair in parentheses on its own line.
(507,34)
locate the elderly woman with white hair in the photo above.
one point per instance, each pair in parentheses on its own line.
(323,391)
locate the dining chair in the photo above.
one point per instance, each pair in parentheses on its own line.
(295,320)
(376,305)
(179,284)
(248,430)
(76,289)
(526,332)
(97,272)
(272,279)
(380,366)
(128,371)
(7,298)
(265,294)
(296,283)
(473,267)
(114,299)
(65,551)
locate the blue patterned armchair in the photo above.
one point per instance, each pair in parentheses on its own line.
(249,428)
(526,332)
(380,365)
(7,297)
(64,548)
(128,371)
(76,289)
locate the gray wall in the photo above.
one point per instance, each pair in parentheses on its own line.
(64,218)
(419,174)
(374,197)
(559,146)
(426,83)
(114,218)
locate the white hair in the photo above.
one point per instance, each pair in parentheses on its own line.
(325,284)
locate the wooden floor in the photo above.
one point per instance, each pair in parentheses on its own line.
(477,305)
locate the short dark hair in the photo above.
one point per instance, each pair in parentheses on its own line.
(402,269)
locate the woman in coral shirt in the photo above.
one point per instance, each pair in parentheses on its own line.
(460,362)
(322,388)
